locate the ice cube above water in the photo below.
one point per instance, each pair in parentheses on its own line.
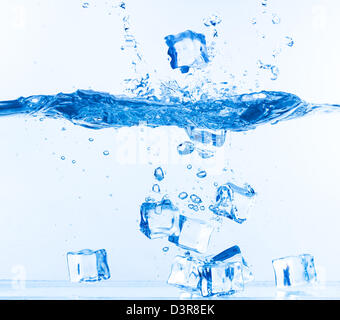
(88,265)
(294,271)
(184,273)
(234,202)
(187,49)
(192,234)
(158,219)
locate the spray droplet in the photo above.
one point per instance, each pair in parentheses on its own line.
(85,5)
(290,41)
(156,188)
(276,19)
(212,20)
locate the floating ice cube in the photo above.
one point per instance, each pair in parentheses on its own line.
(294,271)
(192,234)
(184,273)
(158,219)
(88,265)
(215,138)
(221,278)
(233,201)
(187,49)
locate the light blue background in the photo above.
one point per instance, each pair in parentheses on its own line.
(49,206)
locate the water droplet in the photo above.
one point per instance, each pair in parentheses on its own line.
(91,139)
(156,188)
(196,199)
(276,19)
(165,249)
(212,20)
(183,195)
(189,166)
(275,72)
(74,161)
(106,153)
(290,41)
(62,158)
(264,3)
(185,148)
(159,174)
(201,174)
(215,184)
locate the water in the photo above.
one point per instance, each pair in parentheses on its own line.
(206,111)
(96,110)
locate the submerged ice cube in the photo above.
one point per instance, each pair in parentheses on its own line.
(224,273)
(192,234)
(214,138)
(221,278)
(294,271)
(184,273)
(158,219)
(187,49)
(88,265)
(233,254)
(233,201)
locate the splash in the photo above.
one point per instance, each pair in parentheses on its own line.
(98,110)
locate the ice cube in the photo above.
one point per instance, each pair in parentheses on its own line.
(233,254)
(215,138)
(224,273)
(184,273)
(221,278)
(185,148)
(192,234)
(88,265)
(187,49)
(294,271)
(234,202)
(158,219)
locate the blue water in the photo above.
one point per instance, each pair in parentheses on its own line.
(97,110)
